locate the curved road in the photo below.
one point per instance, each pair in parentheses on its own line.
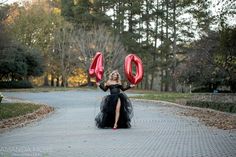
(157,131)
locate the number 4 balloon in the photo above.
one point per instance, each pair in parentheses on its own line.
(97,69)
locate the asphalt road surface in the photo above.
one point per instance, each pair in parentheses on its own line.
(157,131)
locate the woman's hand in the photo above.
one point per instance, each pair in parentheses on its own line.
(97,83)
(132,85)
(107,83)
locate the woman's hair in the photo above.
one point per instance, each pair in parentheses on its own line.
(113,72)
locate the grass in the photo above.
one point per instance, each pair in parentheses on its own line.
(9,110)
(171,97)
(189,100)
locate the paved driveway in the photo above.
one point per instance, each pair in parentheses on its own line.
(157,132)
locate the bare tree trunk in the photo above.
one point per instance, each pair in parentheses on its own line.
(152,79)
(174,48)
(153,72)
(162,78)
(167,46)
(88,79)
(46,82)
(155,46)
(146,80)
(166,80)
(162,53)
(64,82)
(147,41)
(232,86)
(141,85)
(146,84)
(52,80)
(58,82)
(12,77)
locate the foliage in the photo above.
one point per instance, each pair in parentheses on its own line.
(162,32)
(221,106)
(34,26)
(84,13)
(13,63)
(226,55)
(100,38)
(34,61)
(17,63)
(212,61)
(78,77)
(63,52)
(4,36)
(15,84)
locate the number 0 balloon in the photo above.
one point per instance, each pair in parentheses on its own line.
(128,68)
(96,67)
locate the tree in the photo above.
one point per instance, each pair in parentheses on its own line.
(180,23)
(157,30)
(199,68)
(212,61)
(63,51)
(67,9)
(87,43)
(18,63)
(5,39)
(226,55)
(13,64)
(225,12)
(84,13)
(35,63)
(34,27)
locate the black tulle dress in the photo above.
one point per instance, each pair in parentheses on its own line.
(106,117)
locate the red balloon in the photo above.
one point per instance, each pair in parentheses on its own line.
(128,68)
(96,68)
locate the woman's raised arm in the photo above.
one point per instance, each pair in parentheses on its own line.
(125,88)
(103,86)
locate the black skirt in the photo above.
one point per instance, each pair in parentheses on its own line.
(106,117)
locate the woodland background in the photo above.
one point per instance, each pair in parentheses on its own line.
(185,45)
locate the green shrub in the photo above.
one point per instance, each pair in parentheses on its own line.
(234,110)
(202,90)
(225,107)
(15,84)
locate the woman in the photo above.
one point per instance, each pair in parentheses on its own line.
(116,108)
